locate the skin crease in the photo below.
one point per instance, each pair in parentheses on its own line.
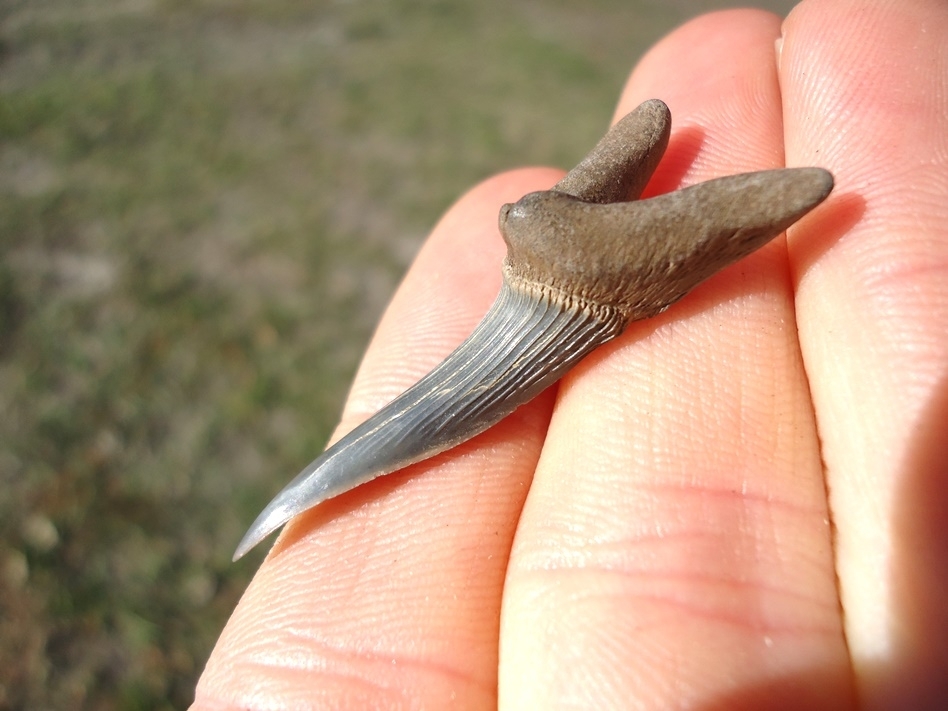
(675,549)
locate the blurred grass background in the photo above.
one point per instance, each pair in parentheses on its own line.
(204,207)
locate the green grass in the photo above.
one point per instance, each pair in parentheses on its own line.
(204,207)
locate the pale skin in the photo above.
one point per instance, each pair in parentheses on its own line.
(736,504)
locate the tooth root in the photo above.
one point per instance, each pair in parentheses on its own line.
(642,256)
(620,165)
(530,337)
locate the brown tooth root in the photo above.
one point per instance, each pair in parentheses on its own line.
(640,257)
(620,165)
(581,265)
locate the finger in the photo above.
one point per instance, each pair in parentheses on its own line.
(674,549)
(389,595)
(869,102)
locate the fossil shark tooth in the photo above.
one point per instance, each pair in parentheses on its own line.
(582,263)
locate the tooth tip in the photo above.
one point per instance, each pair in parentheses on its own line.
(270,519)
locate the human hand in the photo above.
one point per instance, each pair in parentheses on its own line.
(655,532)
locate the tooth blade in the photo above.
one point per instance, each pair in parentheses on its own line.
(525,343)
